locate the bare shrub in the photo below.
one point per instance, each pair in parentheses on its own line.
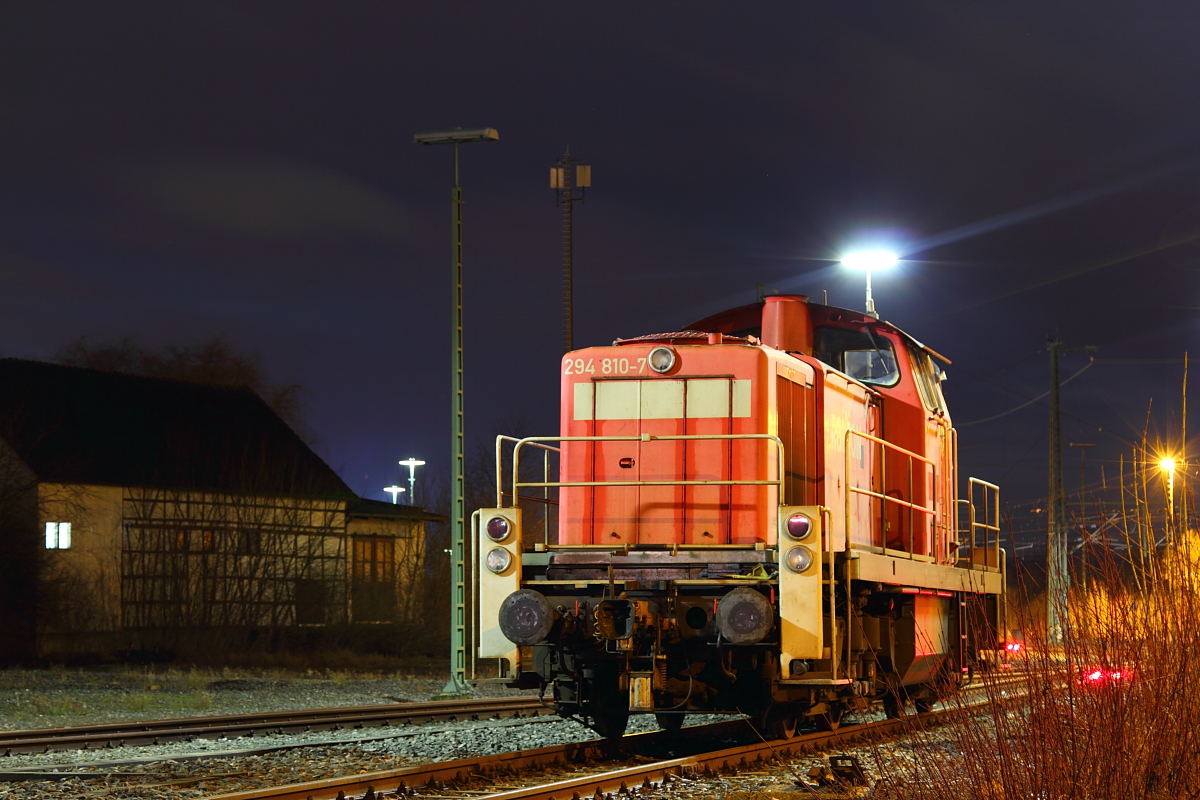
(1111,712)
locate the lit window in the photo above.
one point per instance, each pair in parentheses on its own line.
(58,535)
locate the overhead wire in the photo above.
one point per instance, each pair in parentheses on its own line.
(1031,402)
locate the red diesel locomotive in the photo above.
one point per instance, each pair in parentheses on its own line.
(757,515)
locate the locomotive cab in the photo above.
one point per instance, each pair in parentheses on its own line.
(758,514)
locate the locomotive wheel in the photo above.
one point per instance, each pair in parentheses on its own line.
(610,723)
(831,720)
(669,722)
(781,722)
(609,706)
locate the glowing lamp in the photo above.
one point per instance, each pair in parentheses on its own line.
(869,261)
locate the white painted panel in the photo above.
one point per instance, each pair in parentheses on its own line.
(741,398)
(617,399)
(662,399)
(708,397)
(583,402)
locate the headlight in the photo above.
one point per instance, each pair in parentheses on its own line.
(798,559)
(798,526)
(662,359)
(498,560)
(497,529)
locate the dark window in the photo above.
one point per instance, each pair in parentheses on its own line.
(374,579)
(860,353)
(311,600)
(250,542)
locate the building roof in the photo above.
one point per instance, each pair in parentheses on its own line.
(380,509)
(74,425)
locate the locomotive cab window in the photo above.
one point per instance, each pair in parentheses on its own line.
(925,376)
(861,354)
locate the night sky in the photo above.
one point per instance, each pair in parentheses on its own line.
(178,170)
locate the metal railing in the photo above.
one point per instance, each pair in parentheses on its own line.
(982,536)
(546,485)
(928,511)
(544,499)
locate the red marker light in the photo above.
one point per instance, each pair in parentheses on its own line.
(798,526)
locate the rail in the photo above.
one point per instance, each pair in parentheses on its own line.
(145,732)
(885,498)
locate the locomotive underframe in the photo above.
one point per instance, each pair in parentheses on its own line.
(897,640)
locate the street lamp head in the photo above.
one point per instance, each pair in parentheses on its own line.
(457,136)
(870,260)
(1167,464)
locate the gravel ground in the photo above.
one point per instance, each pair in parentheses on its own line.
(55,698)
(205,767)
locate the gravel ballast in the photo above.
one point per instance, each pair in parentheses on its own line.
(202,767)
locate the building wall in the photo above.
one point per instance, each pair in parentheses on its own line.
(148,567)
(79,587)
(387,563)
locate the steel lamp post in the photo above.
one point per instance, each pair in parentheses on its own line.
(412,465)
(870,261)
(457,685)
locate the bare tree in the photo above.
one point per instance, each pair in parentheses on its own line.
(213,361)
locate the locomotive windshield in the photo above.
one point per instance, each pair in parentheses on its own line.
(859,353)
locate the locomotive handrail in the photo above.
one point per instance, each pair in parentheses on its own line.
(500,465)
(537,441)
(991,520)
(929,510)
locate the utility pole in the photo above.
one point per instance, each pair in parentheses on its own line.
(1083,545)
(560,181)
(1058,579)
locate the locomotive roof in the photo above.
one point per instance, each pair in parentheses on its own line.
(747,320)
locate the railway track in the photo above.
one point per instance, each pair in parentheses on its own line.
(85,737)
(493,777)
(473,777)
(493,769)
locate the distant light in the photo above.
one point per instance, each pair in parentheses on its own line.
(870,260)
(1167,465)
(394,490)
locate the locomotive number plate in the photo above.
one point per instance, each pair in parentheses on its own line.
(604,366)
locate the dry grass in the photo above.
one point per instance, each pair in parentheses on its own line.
(1075,734)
